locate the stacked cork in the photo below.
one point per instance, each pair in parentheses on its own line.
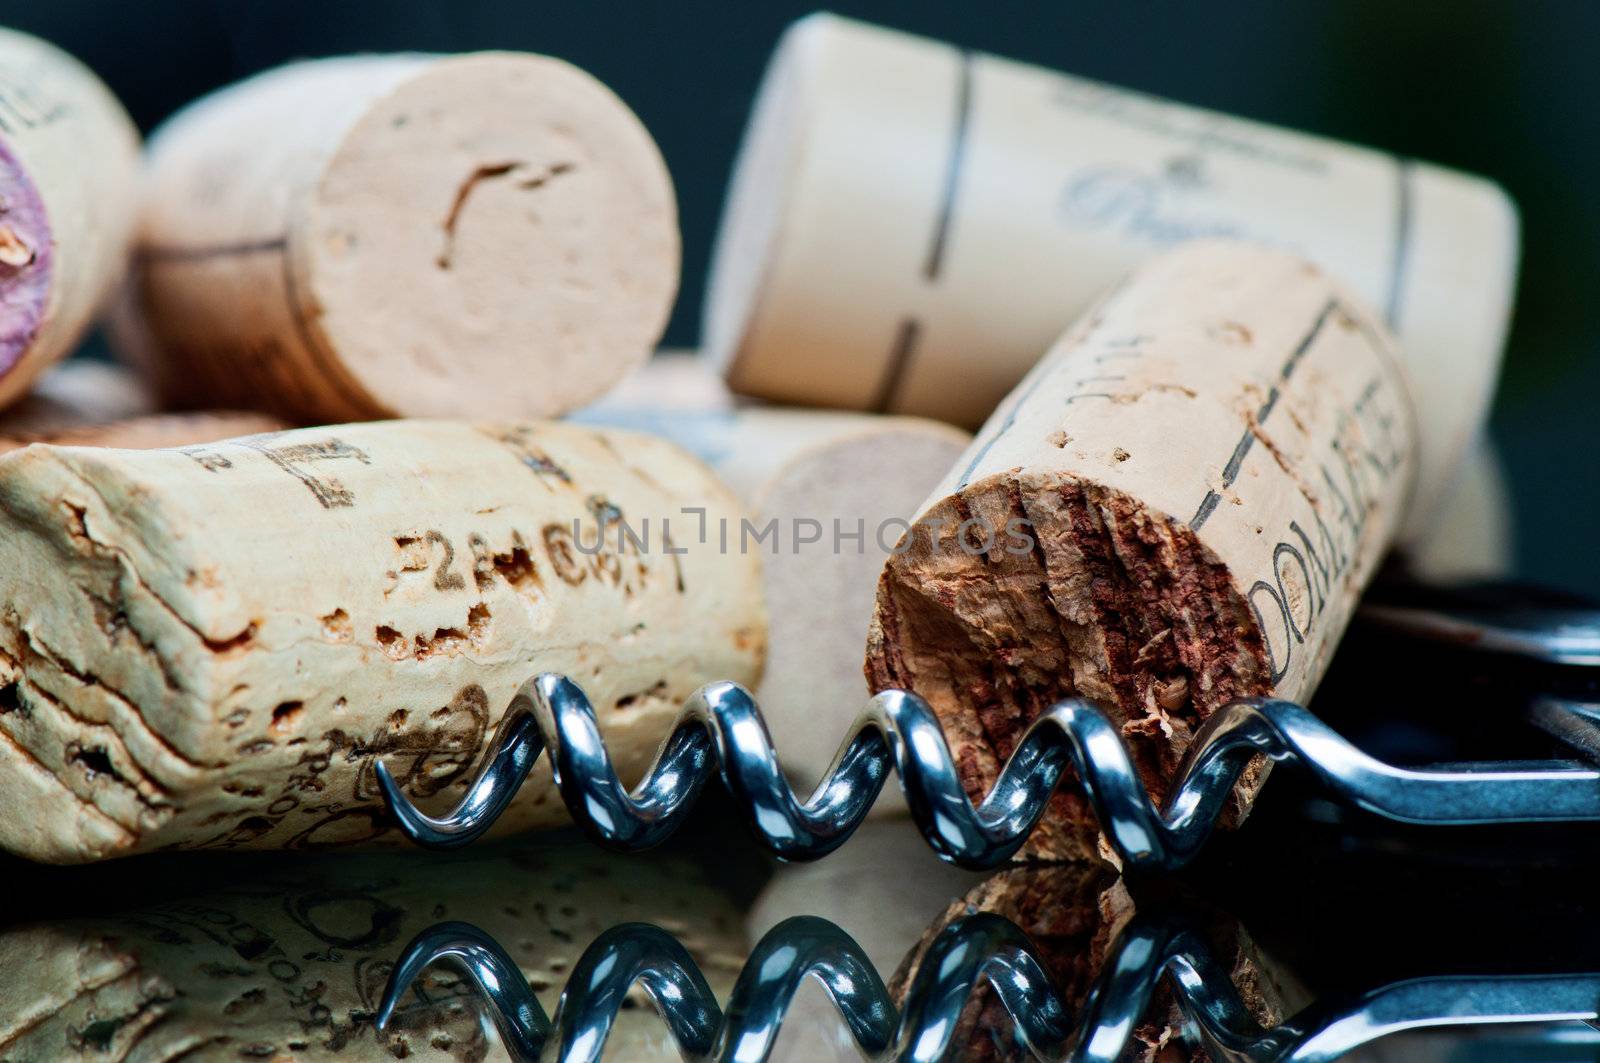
(217,616)
(1218,371)
(391,440)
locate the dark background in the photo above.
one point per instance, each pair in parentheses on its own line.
(1508,89)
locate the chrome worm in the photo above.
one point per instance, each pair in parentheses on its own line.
(720,731)
(973,950)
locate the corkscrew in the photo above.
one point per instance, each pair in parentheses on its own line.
(973,950)
(721,731)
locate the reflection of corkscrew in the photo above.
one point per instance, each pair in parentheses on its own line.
(721,730)
(969,952)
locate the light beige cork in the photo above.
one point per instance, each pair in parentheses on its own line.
(153,432)
(69,167)
(830,495)
(289,961)
(211,647)
(484,235)
(675,380)
(1177,508)
(75,394)
(910,224)
(1472,535)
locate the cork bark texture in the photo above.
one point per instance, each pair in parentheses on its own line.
(1176,509)
(484,235)
(210,647)
(69,170)
(291,963)
(1072,915)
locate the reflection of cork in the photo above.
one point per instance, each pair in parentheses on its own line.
(830,494)
(69,158)
(909,226)
(488,235)
(289,961)
(882,888)
(1177,508)
(210,647)
(1073,915)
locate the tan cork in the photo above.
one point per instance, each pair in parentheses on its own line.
(211,647)
(910,224)
(482,235)
(69,170)
(1177,508)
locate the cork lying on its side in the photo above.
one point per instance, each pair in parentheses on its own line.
(830,495)
(1072,914)
(149,433)
(76,394)
(69,168)
(1177,508)
(483,235)
(290,962)
(211,646)
(909,224)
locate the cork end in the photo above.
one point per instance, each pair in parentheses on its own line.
(26,261)
(1020,591)
(493,217)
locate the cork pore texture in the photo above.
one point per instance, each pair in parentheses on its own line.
(1112,602)
(212,647)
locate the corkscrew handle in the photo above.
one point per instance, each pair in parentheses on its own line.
(976,950)
(720,731)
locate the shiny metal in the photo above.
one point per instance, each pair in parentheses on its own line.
(974,950)
(1543,632)
(1576,723)
(721,731)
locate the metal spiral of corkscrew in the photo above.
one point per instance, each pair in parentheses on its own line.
(973,950)
(720,731)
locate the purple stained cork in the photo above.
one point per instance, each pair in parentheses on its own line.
(25,260)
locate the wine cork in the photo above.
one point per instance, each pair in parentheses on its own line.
(150,433)
(1074,917)
(678,381)
(831,494)
(910,224)
(75,394)
(212,647)
(1472,533)
(1177,508)
(290,962)
(69,159)
(485,235)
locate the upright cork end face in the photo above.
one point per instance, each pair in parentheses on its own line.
(1021,590)
(496,234)
(1176,509)
(69,165)
(489,235)
(26,261)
